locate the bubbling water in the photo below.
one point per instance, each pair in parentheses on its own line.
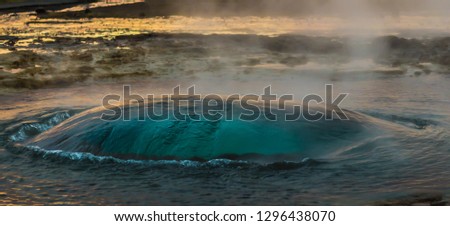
(260,140)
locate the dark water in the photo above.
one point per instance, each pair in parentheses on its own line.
(399,154)
(394,150)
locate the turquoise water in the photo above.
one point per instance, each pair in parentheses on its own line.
(261,139)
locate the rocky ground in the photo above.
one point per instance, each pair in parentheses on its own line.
(39,49)
(45,62)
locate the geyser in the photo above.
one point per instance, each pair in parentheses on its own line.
(257,140)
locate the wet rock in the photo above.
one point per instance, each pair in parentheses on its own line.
(13,15)
(5,75)
(40,11)
(23,59)
(11,42)
(85,70)
(440,44)
(67,41)
(249,62)
(122,56)
(297,44)
(396,43)
(398,51)
(294,61)
(444,60)
(214,65)
(83,56)
(125,74)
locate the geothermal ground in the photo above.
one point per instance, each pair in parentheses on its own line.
(55,67)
